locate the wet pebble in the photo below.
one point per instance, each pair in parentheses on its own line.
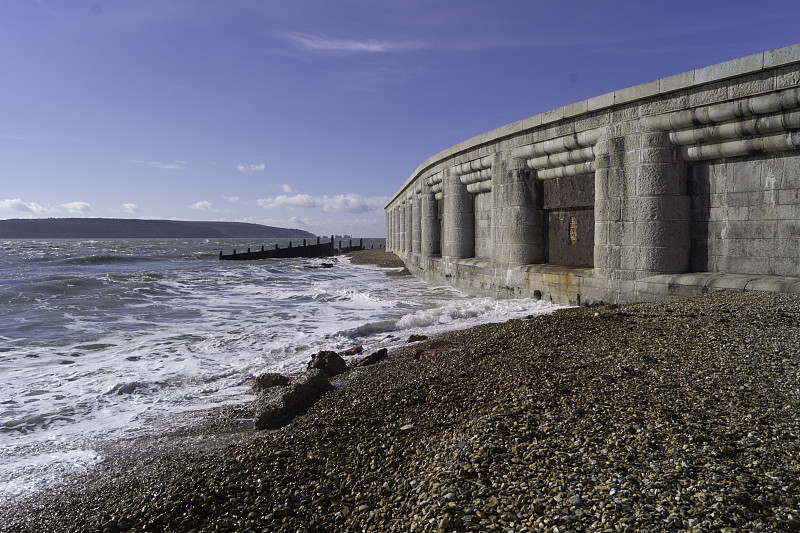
(643,417)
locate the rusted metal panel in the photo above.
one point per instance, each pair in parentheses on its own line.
(571,237)
(569,204)
(566,193)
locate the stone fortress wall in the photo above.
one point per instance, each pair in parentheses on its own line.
(674,187)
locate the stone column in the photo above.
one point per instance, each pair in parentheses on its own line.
(402,228)
(416,224)
(459,219)
(663,208)
(642,210)
(430,224)
(398,242)
(518,220)
(388,229)
(523,220)
(610,187)
(409,228)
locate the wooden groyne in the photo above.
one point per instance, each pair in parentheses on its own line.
(320,249)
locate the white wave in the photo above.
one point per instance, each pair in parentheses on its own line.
(183,334)
(470,312)
(28,472)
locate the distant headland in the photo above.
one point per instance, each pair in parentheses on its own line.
(118,228)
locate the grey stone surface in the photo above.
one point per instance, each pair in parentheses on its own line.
(600,102)
(409,229)
(708,94)
(729,69)
(268,380)
(656,180)
(416,224)
(676,82)
(553,115)
(430,225)
(697,171)
(276,406)
(788,77)
(753,84)
(578,108)
(781,56)
(637,92)
(458,220)
(482,204)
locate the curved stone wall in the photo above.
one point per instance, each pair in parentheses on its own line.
(677,186)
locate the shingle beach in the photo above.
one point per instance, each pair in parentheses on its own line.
(671,416)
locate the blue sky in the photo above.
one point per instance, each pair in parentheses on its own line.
(310,113)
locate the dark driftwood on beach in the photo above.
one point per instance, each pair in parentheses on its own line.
(306,250)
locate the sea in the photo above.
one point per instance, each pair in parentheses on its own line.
(103,340)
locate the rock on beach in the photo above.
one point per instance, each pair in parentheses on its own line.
(329,362)
(671,416)
(269,380)
(373,358)
(276,405)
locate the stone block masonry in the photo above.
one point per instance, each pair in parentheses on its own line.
(674,187)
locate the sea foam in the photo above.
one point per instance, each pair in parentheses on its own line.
(113,347)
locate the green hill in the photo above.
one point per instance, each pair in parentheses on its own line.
(118,228)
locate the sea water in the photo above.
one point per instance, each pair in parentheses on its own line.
(107,339)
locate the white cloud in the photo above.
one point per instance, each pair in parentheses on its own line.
(130,208)
(251,168)
(353,203)
(300,221)
(16,204)
(77,207)
(232,199)
(316,43)
(298,201)
(175,165)
(288,190)
(203,205)
(340,203)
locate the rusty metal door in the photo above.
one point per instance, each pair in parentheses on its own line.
(568,204)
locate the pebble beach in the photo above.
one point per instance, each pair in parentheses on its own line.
(682,415)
